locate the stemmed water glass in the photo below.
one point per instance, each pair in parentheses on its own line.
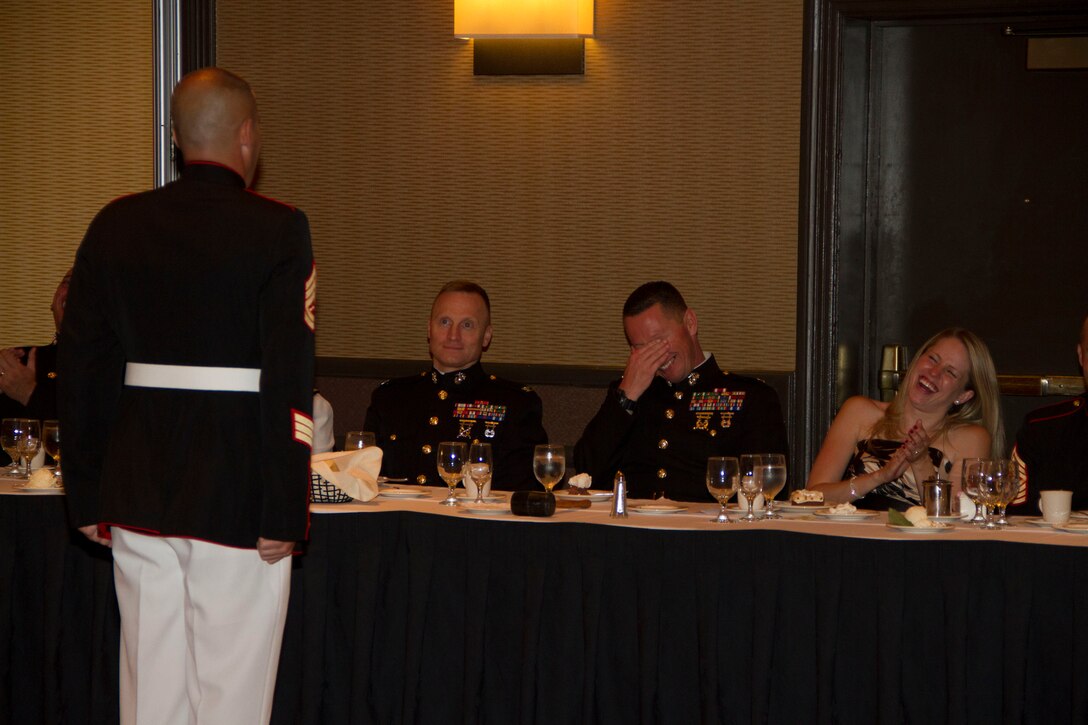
(722,479)
(51,441)
(356,439)
(451,466)
(971,471)
(752,476)
(549,465)
(774,480)
(10,432)
(480,468)
(1006,484)
(30,442)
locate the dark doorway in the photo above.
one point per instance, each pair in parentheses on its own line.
(944,184)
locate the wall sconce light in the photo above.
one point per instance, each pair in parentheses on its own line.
(525,37)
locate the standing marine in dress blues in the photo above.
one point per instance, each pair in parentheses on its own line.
(457,400)
(674,407)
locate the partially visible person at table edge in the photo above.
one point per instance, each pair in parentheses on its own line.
(186,374)
(946,409)
(456,400)
(674,407)
(1052,441)
(28,375)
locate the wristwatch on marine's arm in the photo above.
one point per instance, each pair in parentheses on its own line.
(626,403)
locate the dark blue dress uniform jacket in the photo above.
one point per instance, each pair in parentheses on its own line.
(662,447)
(1053,444)
(411,416)
(200,272)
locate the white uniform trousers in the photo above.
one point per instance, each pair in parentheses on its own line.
(201,627)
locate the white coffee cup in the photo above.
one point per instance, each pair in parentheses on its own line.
(742,502)
(470,485)
(1055,506)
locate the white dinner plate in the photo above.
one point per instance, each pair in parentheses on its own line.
(486,509)
(403,493)
(1074,528)
(1038,521)
(42,491)
(792,508)
(856,516)
(735,510)
(946,519)
(590,496)
(921,530)
(465,497)
(656,509)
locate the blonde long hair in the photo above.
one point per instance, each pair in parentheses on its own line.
(984,408)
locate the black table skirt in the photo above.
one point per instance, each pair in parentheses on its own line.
(59,626)
(404,617)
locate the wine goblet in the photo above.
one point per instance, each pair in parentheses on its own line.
(357,439)
(1006,486)
(774,481)
(549,465)
(989,492)
(722,479)
(10,432)
(451,466)
(751,482)
(480,468)
(51,441)
(969,483)
(30,442)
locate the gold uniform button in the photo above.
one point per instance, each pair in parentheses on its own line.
(475,441)
(713,432)
(51,376)
(663,444)
(392,436)
(669,413)
(426,449)
(678,395)
(421,479)
(662,473)
(433,420)
(442,395)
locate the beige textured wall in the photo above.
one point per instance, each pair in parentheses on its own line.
(675,156)
(76,130)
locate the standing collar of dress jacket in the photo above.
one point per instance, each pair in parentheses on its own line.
(708,367)
(465,379)
(212,172)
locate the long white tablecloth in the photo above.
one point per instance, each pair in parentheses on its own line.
(697,517)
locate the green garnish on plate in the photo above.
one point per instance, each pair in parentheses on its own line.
(897,519)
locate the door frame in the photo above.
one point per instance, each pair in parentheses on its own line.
(824,238)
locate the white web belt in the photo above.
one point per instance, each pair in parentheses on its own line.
(193,377)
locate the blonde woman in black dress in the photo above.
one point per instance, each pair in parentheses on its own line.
(946,409)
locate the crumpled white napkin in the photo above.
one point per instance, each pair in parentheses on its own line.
(354,472)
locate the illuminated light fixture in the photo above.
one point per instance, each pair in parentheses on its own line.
(525,37)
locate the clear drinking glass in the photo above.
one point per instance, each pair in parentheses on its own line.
(969,482)
(51,441)
(30,442)
(10,432)
(451,466)
(774,481)
(751,482)
(549,465)
(722,480)
(989,492)
(355,439)
(480,468)
(1006,485)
